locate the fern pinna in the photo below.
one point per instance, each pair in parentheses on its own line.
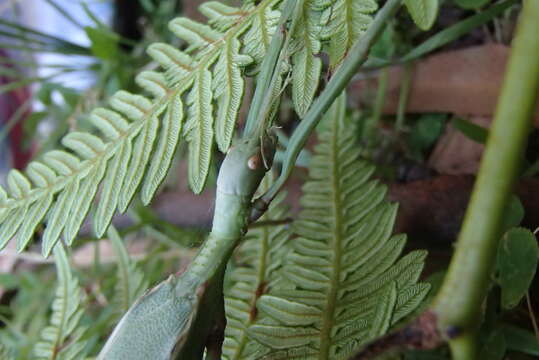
(196,95)
(341,284)
(63,338)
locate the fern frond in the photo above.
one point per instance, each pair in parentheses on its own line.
(343,22)
(196,95)
(348,284)
(201,86)
(130,283)
(307,64)
(62,338)
(258,258)
(322,25)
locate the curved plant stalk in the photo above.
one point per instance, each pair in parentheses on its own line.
(458,305)
(175,319)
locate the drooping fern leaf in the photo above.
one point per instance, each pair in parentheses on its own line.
(130,282)
(201,86)
(307,65)
(196,96)
(349,285)
(61,339)
(258,258)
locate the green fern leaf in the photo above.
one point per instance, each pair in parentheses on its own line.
(87,192)
(195,34)
(109,122)
(18,184)
(221,16)
(169,136)
(154,82)
(85,145)
(344,284)
(307,65)
(139,134)
(199,130)
(137,165)
(40,174)
(32,219)
(343,23)
(62,338)
(228,91)
(131,283)
(258,36)
(57,219)
(12,224)
(259,256)
(110,194)
(176,63)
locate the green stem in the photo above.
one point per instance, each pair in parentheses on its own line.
(357,56)
(406,85)
(458,303)
(378,108)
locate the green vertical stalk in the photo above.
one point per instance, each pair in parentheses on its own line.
(406,86)
(458,305)
(378,109)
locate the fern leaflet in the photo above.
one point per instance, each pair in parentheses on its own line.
(131,283)
(196,95)
(349,285)
(62,339)
(343,23)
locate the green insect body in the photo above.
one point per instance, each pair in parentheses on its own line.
(161,325)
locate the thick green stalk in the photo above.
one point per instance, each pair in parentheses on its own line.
(340,79)
(458,305)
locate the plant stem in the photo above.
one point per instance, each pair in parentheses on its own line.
(357,56)
(374,121)
(406,86)
(459,301)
